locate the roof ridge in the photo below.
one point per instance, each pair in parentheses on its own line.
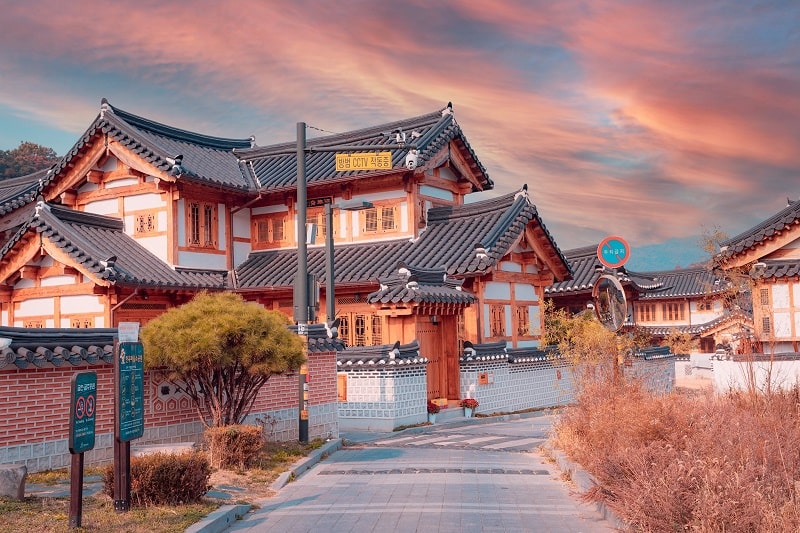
(472,209)
(209,141)
(66,214)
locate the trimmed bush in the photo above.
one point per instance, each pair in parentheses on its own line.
(165,478)
(234,446)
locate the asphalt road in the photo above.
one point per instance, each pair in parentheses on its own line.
(470,478)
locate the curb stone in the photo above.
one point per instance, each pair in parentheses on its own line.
(224,516)
(584,481)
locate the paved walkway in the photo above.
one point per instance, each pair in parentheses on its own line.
(478,477)
(464,475)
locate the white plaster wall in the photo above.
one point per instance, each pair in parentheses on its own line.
(200,260)
(156,245)
(509,320)
(497,290)
(103,207)
(138,202)
(222,224)
(536,326)
(782,325)
(736,374)
(241,224)
(435,192)
(124,182)
(510,266)
(523,291)
(82,303)
(54,281)
(36,307)
(780,296)
(403,216)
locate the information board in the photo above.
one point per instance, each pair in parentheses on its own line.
(83,406)
(130,390)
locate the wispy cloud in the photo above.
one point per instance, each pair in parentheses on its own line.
(650,119)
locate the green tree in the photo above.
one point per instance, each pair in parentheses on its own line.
(220,350)
(25,159)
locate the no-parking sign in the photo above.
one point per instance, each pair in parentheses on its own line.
(613,251)
(82,411)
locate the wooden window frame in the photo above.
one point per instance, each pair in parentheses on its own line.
(523,317)
(497,320)
(271,222)
(82,321)
(380,219)
(145,223)
(673,312)
(764,295)
(361,329)
(202,224)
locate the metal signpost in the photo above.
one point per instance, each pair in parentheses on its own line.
(83,406)
(353,161)
(128,415)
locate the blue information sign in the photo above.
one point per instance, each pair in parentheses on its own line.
(130,390)
(83,405)
(613,252)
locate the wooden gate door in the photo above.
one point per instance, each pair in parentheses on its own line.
(430,346)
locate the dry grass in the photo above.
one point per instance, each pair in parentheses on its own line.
(698,461)
(51,515)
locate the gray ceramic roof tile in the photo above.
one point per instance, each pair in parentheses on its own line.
(91,240)
(448,242)
(56,347)
(420,285)
(778,268)
(365,357)
(782,221)
(275,166)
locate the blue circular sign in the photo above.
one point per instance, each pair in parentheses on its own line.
(613,251)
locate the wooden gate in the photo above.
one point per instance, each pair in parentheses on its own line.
(439,344)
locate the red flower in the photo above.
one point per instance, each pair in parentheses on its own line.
(470,403)
(433,408)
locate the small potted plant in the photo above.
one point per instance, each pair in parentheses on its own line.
(433,408)
(469,404)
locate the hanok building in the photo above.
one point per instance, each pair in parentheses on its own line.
(139,216)
(769,255)
(688,300)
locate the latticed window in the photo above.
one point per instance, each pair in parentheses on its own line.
(35,323)
(344,329)
(377,330)
(673,311)
(319,220)
(523,321)
(647,312)
(270,231)
(766,327)
(82,322)
(764,296)
(387,218)
(360,331)
(380,219)
(202,224)
(497,314)
(145,223)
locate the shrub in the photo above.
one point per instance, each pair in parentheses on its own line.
(677,462)
(165,478)
(234,446)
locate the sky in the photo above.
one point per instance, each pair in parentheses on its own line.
(656,121)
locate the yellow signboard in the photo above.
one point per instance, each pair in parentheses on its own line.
(364,161)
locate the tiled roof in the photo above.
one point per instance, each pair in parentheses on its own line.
(684,283)
(380,356)
(21,191)
(697,329)
(55,347)
(471,238)
(586,269)
(771,227)
(498,351)
(192,156)
(99,245)
(418,285)
(465,240)
(654,352)
(776,268)
(322,337)
(275,167)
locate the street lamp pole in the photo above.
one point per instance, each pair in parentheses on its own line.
(330,271)
(301,289)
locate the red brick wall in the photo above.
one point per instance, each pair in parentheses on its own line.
(34,403)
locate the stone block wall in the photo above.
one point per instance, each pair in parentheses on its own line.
(502,387)
(383,398)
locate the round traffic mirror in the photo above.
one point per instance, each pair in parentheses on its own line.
(609,302)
